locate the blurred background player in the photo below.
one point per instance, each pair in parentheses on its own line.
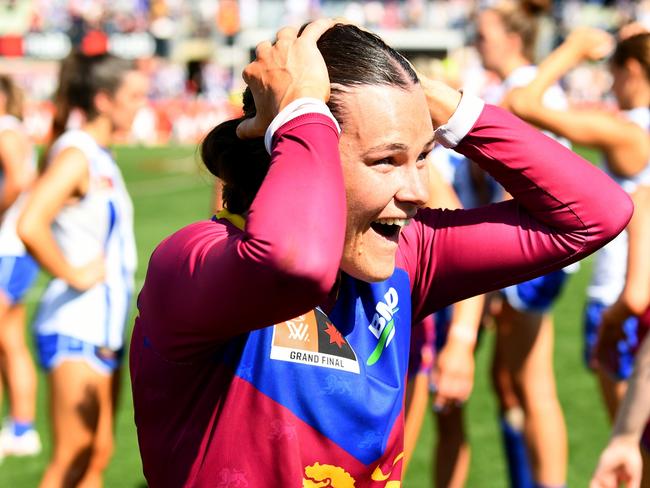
(78,224)
(625,459)
(620,463)
(17,273)
(442,361)
(532,423)
(614,296)
(522,366)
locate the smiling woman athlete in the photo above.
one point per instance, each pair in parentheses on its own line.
(272,346)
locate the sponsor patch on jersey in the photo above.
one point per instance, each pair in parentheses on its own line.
(103,182)
(383,324)
(313,339)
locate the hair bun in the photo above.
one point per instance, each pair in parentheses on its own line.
(240,164)
(536,7)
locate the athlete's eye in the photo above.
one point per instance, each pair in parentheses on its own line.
(423,155)
(382,161)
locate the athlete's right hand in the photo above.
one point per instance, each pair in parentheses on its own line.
(591,44)
(85,277)
(282,72)
(610,333)
(452,375)
(620,463)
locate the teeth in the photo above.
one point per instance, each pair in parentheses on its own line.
(398,222)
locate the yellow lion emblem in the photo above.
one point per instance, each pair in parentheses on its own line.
(325,475)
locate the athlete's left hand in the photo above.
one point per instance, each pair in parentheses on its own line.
(591,44)
(610,332)
(620,463)
(452,376)
(442,100)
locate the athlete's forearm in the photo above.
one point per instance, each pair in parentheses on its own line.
(13,154)
(566,57)
(563,209)
(636,294)
(558,188)
(304,185)
(40,243)
(634,411)
(227,281)
(466,319)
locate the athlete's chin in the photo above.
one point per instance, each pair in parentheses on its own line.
(370,268)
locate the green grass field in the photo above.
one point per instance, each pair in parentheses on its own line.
(169,189)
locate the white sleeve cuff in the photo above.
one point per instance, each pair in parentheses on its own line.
(461,121)
(295,109)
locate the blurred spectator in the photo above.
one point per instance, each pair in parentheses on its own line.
(213,32)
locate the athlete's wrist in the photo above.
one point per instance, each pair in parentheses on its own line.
(442,101)
(624,439)
(463,334)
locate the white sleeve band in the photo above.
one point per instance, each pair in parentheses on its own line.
(461,121)
(298,107)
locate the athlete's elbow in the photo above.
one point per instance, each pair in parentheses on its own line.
(617,215)
(637,299)
(27,229)
(609,215)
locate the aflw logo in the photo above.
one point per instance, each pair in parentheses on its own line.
(383,324)
(298,331)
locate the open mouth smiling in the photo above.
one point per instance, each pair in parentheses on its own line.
(389,228)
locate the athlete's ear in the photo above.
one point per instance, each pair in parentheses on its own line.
(103,102)
(633,67)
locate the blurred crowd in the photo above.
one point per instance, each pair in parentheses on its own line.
(193,51)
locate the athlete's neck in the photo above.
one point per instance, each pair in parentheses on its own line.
(100,129)
(510,65)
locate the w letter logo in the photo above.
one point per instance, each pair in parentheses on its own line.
(298,331)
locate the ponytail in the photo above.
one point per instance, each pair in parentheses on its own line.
(13,95)
(61,101)
(81,78)
(241,164)
(535,7)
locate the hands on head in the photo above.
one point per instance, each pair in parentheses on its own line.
(290,68)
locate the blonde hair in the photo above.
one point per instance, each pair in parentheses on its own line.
(522,18)
(13,95)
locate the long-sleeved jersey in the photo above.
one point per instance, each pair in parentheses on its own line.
(256,362)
